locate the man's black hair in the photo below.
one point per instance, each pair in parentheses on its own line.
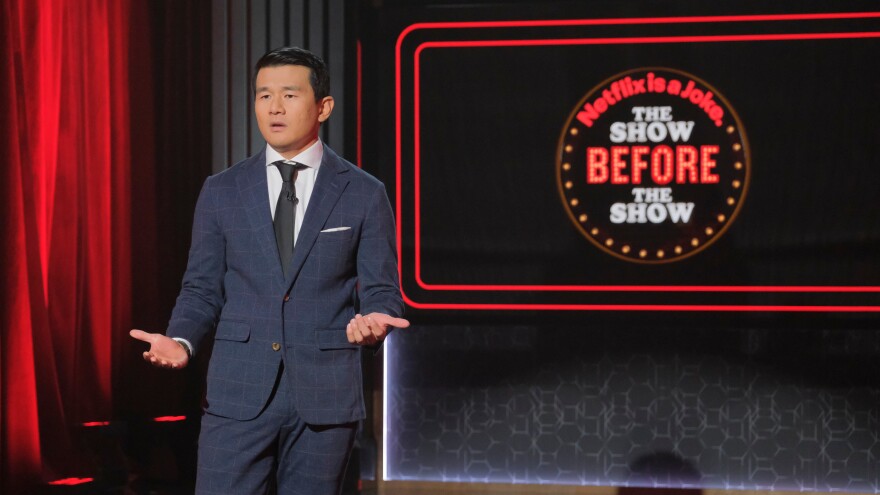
(292,55)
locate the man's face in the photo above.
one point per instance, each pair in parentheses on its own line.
(287,114)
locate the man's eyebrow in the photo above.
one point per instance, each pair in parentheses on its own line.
(285,88)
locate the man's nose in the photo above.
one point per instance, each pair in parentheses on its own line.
(275,106)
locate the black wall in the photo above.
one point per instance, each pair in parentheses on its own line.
(718,398)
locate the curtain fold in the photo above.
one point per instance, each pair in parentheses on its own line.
(66,240)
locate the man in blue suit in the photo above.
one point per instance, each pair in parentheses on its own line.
(284,380)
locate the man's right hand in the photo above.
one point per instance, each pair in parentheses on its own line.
(164,352)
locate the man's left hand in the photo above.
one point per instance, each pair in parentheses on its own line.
(371,329)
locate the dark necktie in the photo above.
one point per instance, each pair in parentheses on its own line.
(285,212)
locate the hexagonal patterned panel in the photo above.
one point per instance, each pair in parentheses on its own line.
(665,407)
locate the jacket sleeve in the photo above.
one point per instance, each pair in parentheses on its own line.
(378,280)
(201,295)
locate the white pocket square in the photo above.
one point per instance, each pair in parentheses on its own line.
(335,229)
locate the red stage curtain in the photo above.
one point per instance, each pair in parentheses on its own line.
(66,242)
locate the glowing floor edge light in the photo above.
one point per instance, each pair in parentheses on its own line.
(385,355)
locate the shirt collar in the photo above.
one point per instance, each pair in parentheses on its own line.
(310,157)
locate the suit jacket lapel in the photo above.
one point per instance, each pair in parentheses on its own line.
(255,197)
(329,185)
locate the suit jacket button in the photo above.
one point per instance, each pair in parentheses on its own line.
(276,346)
(286,297)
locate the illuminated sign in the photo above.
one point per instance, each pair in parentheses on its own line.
(505,244)
(653,165)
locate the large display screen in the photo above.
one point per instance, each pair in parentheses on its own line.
(705,163)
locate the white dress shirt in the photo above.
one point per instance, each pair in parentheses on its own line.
(305,180)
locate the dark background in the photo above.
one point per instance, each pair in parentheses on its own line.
(732,400)
(755,400)
(490,125)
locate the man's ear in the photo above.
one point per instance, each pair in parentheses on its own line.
(326,105)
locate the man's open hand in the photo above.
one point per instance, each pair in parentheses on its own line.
(370,329)
(164,352)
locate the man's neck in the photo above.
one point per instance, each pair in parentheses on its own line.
(292,153)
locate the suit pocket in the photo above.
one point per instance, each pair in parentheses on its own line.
(335,235)
(333,338)
(235,331)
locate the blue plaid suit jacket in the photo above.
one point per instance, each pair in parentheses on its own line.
(234,290)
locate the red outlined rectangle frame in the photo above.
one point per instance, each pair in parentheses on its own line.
(599,41)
